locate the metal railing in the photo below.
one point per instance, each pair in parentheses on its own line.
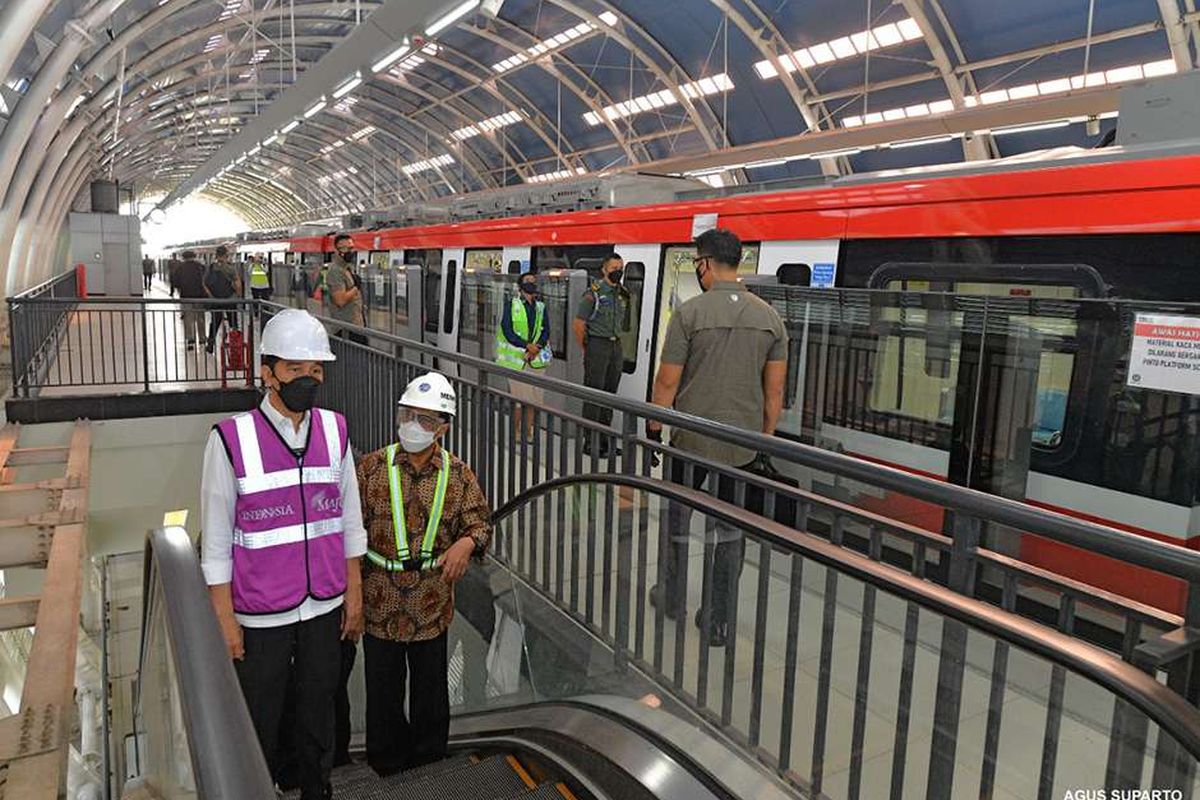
(833,659)
(35,330)
(367,380)
(125,345)
(197,734)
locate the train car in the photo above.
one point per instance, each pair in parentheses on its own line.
(886,284)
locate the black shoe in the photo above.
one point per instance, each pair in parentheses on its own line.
(670,611)
(208,349)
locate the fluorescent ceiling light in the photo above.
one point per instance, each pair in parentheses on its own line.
(919,142)
(1042,126)
(451,17)
(291,126)
(255,150)
(390,58)
(270,140)
(349,86)
(315,108)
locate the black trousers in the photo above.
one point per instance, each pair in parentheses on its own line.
(602,364)
(287,768)
(396,741)
(726,554)
(215,318)
(311,651)
(147,280)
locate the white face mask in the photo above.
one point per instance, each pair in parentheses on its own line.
(414,438)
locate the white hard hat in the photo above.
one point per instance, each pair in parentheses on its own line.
(297,336)
(431,392)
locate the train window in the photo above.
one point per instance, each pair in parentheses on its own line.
(433,296)
(794,274)
(635,284)
(514,267)
(451,285)
(483,261)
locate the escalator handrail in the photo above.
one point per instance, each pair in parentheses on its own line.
(1159,703)
(227,761)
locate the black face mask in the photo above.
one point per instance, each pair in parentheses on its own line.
(699,279)
(530,289)
(615,276)
(348,257)
(299,394)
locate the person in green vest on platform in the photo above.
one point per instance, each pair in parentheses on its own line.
(260,279)
(523,340)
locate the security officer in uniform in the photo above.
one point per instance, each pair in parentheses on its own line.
(426,517)
(601,317)
(283,535)
(523,340)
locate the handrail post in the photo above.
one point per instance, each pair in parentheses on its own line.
(142,312)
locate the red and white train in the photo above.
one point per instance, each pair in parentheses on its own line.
(880,279)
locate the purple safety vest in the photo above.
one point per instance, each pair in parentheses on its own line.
(287,531)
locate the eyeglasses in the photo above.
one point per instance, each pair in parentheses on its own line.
(696,261)
(428,421)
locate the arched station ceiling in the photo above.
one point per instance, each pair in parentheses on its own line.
(154,92)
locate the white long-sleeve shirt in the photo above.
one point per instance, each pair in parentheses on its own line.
(218,494)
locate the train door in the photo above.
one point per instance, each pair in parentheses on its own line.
(641,280)
(377,291)
(446,337)
(987,357)
(484,288)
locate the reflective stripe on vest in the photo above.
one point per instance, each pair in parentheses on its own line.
(404,560)
(258,277)
(508,354)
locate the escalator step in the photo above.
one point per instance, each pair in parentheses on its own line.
(490,779)
(547,791)
(436,768)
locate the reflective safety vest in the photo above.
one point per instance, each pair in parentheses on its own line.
(287,529)
(404,559)
(511,356)
(259,279)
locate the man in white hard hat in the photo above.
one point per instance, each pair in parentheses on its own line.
(426,516)
(283,536)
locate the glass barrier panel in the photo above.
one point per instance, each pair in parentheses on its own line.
(165,750)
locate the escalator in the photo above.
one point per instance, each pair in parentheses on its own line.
(835,676)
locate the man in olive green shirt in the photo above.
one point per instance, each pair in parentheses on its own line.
(600,318)
(725,359)
(342,284)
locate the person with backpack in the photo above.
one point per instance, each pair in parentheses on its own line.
(600,319)
(223,282)
(523,340)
